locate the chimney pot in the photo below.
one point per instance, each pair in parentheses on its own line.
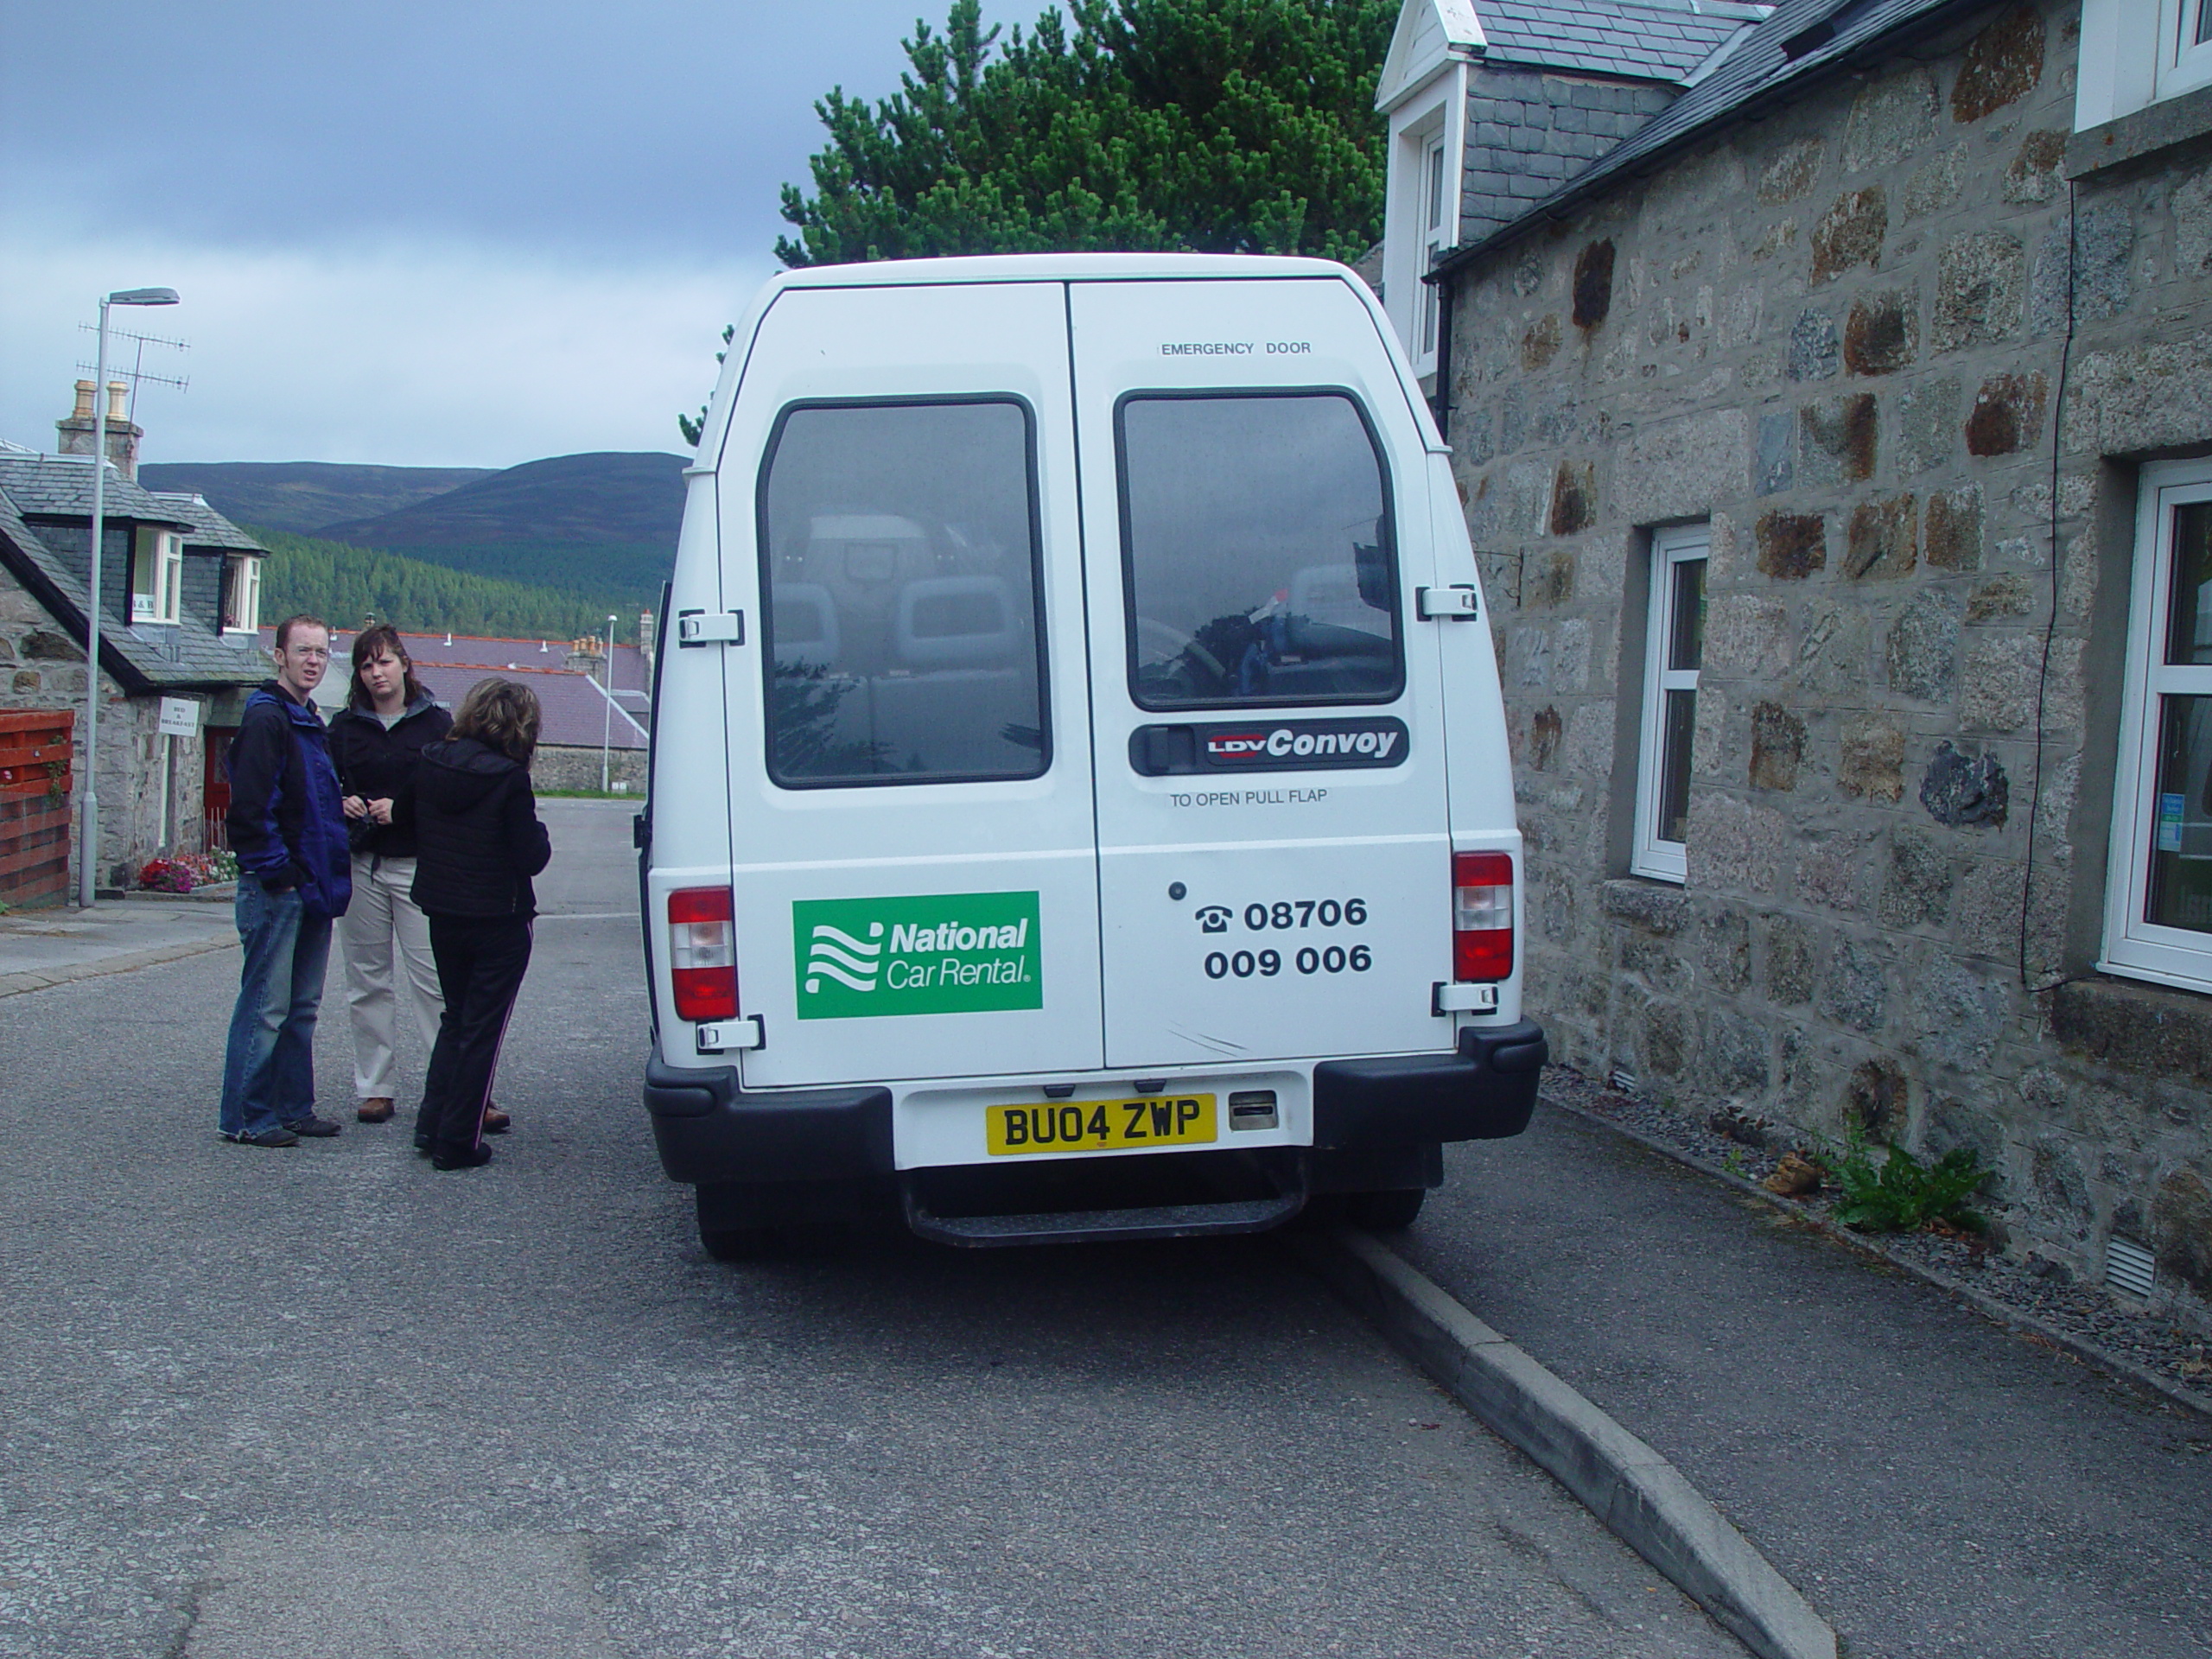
(84,409)
(118,403)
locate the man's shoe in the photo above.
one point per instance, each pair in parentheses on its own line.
(460,1157)
(317,1127)
(276,1137)
(375,1109)
(496,1121)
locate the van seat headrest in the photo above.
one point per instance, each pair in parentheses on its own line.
(805,621)
(956,622)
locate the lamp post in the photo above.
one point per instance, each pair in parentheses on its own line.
(607,715)
(88,820)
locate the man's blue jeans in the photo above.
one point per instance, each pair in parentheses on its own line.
(269,1064)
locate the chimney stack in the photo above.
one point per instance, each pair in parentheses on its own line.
(76,427)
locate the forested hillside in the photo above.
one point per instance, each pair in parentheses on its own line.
(344,585)
(303,496)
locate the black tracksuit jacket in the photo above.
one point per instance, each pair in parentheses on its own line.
(477,838)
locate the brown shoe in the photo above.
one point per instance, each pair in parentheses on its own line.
(376,1109)
(495,1121)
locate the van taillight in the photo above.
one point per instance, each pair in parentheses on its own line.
(702,953)
(1481,915)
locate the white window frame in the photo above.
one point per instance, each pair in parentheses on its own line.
(1433,114)
(241,595)
(1651,854)
(158,558)
(2133,945)
(2184,58)
(2135,54)
(1437,223)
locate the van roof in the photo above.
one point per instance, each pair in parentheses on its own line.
(1060,266)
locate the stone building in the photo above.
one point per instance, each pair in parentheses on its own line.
(1831,398)
(180,587)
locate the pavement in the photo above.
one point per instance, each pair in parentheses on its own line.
(52,946)
(278,1405)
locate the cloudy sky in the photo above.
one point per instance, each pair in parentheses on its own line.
(423,234)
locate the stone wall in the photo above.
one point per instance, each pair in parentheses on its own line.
(555,768)
(1840,334)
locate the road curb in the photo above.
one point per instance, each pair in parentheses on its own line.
(2140,1377)
(39,979)
(1640,1496)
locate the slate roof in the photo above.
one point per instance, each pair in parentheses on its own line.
(1610,37)
(48,558)
(61,486)
(1757,73)
(573,710)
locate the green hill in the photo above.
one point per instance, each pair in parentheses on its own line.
(303,496)
(609,498)
(343,585)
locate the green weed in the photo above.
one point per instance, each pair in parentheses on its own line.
(1901,1194)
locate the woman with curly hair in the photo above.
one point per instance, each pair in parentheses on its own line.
(478,842)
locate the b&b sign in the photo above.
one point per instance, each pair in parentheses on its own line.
(180,717)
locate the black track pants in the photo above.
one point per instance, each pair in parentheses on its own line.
(481,960)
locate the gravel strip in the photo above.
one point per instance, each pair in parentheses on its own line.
(2148,1348)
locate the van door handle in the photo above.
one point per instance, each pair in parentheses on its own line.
(1456,603)
(710,627)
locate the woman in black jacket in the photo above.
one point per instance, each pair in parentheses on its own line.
(375,741)
(478,842)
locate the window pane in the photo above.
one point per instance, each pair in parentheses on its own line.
(900,575)
(1259,553)
(2189,608)
(2181,836)
(1685,642)
(1436,187)
(2204,21)
(1674,767)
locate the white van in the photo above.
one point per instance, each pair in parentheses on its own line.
(1080,802)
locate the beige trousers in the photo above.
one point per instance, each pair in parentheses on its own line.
(380,925)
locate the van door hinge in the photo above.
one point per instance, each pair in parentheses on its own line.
(710,628)
(1454,604)
(751,1031)
(1462,996)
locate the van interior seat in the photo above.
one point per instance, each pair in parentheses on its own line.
(806,620)
(945,622)
(956,720)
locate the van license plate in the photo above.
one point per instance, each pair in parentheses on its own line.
(1102,1125)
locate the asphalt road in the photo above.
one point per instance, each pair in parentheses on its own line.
(329,1402)
(1936,1486)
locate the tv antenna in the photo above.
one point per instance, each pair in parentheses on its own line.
(137,374)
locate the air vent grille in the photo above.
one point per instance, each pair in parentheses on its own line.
(2129,1267)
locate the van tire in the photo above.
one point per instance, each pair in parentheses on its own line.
(1383,1212)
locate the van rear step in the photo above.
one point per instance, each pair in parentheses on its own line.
(1077,1201)
(1091,1226)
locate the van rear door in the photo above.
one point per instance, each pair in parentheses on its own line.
(1273,858)
(914,868)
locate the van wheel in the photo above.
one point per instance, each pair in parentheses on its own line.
(1384,1212)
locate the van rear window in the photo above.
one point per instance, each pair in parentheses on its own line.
(1258,558)
(899,577)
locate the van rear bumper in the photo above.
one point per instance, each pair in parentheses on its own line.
(710,1130)
(1485,1092)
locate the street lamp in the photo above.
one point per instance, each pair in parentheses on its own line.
(607,715)
(88,821)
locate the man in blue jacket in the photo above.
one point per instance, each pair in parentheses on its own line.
(288,828)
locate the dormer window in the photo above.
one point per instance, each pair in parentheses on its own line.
(241,593)
(157,576)
(1434,237)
